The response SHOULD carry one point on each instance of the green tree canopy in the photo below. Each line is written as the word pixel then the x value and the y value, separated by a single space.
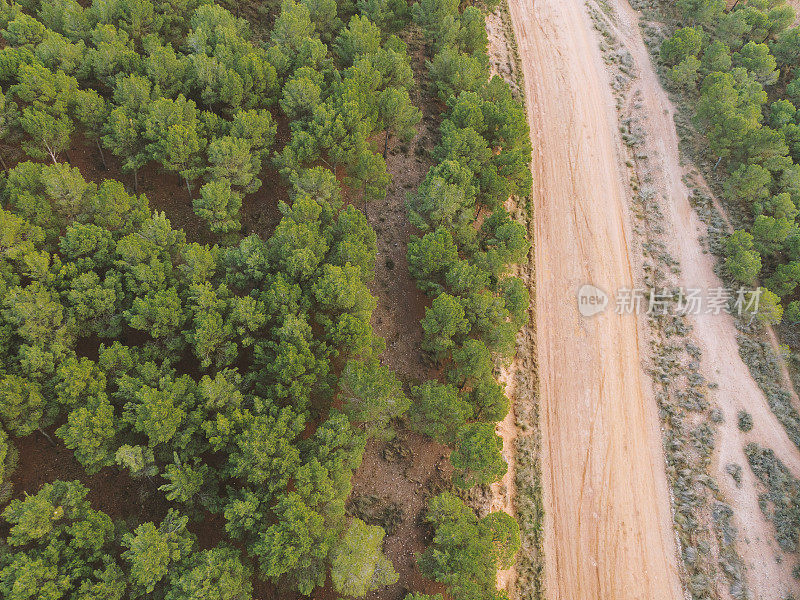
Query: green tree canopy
pixel 477 458
pixel 357 564
pixel 152 550
pixel 371 393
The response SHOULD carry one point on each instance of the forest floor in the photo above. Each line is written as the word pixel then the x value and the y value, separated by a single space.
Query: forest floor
pixel 407 470
pixel 401 474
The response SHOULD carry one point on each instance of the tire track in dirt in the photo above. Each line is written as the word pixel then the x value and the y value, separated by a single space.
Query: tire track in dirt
pixel 608 529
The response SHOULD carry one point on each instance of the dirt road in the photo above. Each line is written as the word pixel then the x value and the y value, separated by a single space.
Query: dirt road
pixel 608 530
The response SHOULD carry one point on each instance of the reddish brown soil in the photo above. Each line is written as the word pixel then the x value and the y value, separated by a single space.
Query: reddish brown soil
pixel 111 490
pixel 166 191
pixel 401 305
pixel 407 483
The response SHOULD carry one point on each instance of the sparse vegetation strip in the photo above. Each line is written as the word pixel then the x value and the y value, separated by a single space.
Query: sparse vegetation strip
pixel 689 418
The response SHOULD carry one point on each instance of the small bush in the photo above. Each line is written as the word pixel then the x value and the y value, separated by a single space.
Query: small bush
pixel 781 502
pixel 745 421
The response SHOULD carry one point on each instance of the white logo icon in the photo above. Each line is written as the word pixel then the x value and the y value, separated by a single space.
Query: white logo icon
pixel 591 300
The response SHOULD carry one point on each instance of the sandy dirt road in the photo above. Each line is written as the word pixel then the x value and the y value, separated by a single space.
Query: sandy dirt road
pixel 608 530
